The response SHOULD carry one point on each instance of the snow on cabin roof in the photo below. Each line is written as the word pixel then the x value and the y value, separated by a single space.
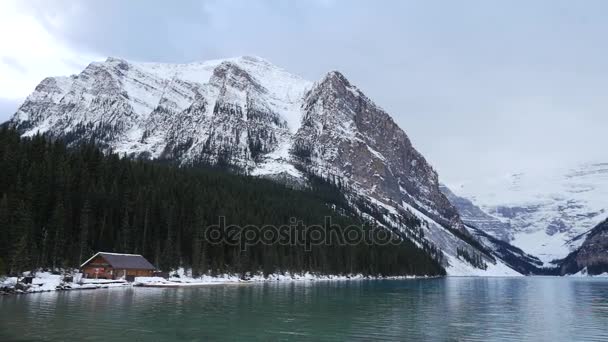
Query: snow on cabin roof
pixel 123 261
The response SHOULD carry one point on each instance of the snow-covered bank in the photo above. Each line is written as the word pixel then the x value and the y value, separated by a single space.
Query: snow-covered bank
pixel 183 279
pixel 46 281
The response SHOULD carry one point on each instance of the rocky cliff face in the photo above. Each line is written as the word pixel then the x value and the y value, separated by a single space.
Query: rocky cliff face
pixel 592 256
pixel 346 134
pixel 247 114
pixel 474 216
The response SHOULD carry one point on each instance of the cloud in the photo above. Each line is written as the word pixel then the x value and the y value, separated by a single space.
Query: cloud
pixel 481 87
pixel 13 63
pixel 141 30
pixel 30 53
pixel 8 107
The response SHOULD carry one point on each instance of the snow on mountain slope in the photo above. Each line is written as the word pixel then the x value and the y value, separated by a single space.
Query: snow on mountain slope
pixel 450 243
pixel 142 104
pixel 473 216
pixel 544 211
pixel 463 269
pixel 284 90
pixel 248 114
pixel 495 235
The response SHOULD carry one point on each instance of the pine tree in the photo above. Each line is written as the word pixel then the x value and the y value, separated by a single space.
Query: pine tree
pixel 21 260
pixel 5 231
pixel 85 218
pixel 51 196
pixel 125 233
pixel 21 252
pixel 44 249
pixel 196 256
pixel 144 237
pixel 57 226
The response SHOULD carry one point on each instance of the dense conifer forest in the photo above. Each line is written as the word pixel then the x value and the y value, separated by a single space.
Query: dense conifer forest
pixel 59 205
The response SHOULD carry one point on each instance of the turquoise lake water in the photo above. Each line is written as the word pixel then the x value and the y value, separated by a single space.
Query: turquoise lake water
pixel 446 309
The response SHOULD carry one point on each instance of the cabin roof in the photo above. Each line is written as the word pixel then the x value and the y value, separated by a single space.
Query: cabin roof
pixel 123 261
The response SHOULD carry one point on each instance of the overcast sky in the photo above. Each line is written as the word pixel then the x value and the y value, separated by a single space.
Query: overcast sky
pixel 483 88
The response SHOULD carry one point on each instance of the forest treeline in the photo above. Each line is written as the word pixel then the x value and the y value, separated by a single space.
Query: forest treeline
pixel 59 205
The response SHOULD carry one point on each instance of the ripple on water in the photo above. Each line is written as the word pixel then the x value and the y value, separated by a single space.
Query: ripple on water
pixel 473 309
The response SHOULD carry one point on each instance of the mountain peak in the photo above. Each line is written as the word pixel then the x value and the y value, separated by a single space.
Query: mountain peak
pixel 231 73
pixel 335 74
pixel 336 77
pixel 118 62
pixel 338 84
pixel 254 59
pixel 111 59
pixel 248 114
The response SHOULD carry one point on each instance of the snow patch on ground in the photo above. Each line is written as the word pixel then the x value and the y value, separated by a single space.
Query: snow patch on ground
pixel 460 268
pixel 184 279
pixel 376 153
pixel 46 281
pixel 278 161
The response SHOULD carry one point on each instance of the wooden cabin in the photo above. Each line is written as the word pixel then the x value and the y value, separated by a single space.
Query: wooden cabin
pixel 116 266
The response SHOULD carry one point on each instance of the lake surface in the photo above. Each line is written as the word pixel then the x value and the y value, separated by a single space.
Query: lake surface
pixel 458 309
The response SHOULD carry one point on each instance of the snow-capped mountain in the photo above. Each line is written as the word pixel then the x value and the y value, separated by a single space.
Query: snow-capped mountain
pixel 206 111
pixel 248 114
pixel 542 213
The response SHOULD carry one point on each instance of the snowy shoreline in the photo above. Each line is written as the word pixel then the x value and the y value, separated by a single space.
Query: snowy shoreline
pixel 47 282
pixel 185 281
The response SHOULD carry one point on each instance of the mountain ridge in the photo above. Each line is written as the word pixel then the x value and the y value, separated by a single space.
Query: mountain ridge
pixel 247 114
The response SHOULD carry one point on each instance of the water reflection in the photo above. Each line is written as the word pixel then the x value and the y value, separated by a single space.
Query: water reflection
pixel 472 309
